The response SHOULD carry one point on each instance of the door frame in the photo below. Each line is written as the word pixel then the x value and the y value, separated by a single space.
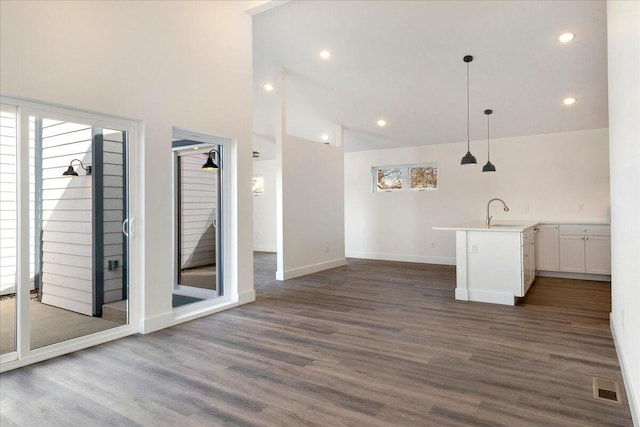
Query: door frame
pixel 24 355
pixel 204 141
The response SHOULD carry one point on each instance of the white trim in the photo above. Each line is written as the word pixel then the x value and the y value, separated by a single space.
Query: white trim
pixel 195 292
pixel 309 269
pixel 229 232
pixel 135 180
pixel 258 248
pixel 70 346
pixel 400 257
pixel 493 297
pixel 626 376
pixel 268 5
pixel 462 294
pixel 246 297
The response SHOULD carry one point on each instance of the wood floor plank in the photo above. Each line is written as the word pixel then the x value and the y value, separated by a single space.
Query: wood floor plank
pixel 372 343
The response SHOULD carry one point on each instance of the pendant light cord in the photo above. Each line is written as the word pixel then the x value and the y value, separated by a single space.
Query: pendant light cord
pixel 468 149
pixel 488 138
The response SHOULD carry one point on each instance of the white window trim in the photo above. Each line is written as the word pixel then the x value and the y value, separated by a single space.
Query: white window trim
pixel 406 178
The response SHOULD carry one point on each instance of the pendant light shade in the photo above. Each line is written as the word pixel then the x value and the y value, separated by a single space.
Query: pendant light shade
pixel 489 167
pixel 468 159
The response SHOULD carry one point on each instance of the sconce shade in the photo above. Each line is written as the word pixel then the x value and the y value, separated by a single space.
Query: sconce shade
pixel 210 164
pixel 70 172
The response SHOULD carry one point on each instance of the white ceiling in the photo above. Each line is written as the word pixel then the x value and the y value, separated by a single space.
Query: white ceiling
pixel 402 61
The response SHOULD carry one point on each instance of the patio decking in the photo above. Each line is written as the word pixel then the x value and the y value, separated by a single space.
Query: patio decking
pixel 49 325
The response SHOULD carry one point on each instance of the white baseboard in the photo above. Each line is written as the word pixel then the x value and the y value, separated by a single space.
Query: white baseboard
pixel 309 269
pixel 246 297
pixel 402 258
pixel 156 323
pixel 626 376
pixel 462 294
pixel 492 297
pixel 258 248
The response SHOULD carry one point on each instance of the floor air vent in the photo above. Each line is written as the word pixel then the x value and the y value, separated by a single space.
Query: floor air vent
pixel 606 390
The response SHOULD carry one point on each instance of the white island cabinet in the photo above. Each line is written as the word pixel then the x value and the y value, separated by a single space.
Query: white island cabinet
pixel 493 264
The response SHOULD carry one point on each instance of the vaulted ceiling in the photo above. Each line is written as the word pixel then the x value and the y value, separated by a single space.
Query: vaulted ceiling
pixel 403 61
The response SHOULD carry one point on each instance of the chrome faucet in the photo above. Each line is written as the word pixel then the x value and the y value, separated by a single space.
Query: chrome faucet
pixel 506 209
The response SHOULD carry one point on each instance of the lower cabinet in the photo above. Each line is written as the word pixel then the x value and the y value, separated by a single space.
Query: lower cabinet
pixel 585 249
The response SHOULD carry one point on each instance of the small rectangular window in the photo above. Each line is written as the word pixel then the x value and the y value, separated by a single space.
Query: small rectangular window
pixel 416 177
pixel 257 185
pixel 423 177
pixel 389 179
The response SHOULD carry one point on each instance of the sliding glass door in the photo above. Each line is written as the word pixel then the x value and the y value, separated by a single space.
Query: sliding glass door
pixel 64 221
pixel 198 172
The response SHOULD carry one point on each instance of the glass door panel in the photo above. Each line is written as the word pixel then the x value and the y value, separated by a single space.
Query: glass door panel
pixel 8 229
pixel 78 255
pixel 198 220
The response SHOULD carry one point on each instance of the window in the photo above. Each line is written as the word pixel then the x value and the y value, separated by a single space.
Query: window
pixel 257 185
pixel 416 177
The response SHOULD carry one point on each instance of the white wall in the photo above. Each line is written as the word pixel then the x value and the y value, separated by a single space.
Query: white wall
pixel 623 22
pixel 553 177
pixel 264 208
pixel 185 63
pixel 311 229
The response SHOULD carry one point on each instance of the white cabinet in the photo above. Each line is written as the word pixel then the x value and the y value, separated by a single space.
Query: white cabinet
pixel 585 249
pixel 547 247
pixel 597 254
pixel 528 261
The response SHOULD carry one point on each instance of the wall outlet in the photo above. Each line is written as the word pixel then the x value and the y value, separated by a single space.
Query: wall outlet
pixel 526 207
pixel 474 248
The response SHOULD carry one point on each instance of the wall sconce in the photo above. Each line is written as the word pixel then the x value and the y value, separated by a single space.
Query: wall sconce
pixel 211 164
pixel 71 172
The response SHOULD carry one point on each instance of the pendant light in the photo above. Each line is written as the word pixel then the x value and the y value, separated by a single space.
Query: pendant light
pixel 468 158
pixel 489 167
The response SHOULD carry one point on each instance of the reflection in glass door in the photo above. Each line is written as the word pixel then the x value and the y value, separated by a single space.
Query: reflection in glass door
pixel 8 228
pixel 198 220
pixel 80 263
pixel 65 249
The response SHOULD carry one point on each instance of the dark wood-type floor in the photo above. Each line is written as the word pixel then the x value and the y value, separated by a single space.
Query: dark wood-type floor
pixel 373 343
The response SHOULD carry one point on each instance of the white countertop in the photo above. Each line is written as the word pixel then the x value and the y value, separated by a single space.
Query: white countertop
pixel 496 225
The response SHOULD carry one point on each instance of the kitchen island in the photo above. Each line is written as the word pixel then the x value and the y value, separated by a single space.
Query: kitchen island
pixel 494 264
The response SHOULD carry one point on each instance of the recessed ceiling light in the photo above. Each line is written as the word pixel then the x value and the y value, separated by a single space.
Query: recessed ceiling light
pixel 325 54
pixel 381 123
pixel 566 37
pixel 569 101
pixel 268 87
pixel 324 137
